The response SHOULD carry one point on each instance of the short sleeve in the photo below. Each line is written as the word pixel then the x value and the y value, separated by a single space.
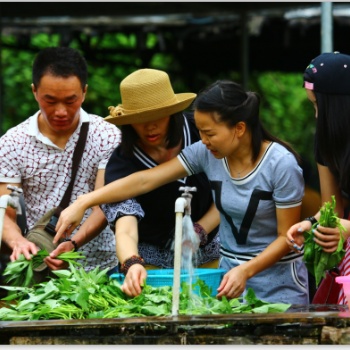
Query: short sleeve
pixel 113 211
pixel 288 182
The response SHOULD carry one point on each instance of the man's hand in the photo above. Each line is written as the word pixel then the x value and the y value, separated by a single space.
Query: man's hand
pixel 56 264
pixel 25 247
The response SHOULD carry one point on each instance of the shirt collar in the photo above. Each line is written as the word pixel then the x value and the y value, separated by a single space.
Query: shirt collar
pixel 33 129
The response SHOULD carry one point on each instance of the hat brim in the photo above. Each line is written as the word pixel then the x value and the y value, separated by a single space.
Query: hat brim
pixel 184 101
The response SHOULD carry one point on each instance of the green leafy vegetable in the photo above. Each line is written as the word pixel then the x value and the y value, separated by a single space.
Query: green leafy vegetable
pixel 77 294
pixel 316 260
pixel 20 272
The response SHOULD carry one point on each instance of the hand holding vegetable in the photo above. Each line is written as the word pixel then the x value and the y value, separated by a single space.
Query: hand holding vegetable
pixel 317 258
pixel 233 283
pixel 53 261
pixel 328 238
pixel 20 272
pixel 134 280
pixel 23 247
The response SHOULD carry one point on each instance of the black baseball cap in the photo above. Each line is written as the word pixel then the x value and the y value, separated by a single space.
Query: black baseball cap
pixel 328 73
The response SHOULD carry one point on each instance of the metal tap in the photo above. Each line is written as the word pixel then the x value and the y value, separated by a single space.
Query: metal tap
pixel 13 199
pixel 188 196
pixel 9 200
pixel 182 206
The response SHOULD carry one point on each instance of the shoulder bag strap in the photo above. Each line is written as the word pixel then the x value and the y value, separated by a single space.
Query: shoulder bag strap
pixel 77 155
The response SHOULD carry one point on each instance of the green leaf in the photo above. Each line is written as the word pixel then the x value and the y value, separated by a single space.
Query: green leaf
pixel 20 271
pixel 82 295
pixel 82 299
pixel 62 273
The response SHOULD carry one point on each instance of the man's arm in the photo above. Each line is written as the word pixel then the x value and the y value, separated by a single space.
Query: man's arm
pixel 11 232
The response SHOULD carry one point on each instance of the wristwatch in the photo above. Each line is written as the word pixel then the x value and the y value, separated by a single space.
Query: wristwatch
pixel 312 219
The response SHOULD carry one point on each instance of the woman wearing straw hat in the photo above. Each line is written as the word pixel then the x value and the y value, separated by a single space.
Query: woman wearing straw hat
pixel 154 130
pixel 257 186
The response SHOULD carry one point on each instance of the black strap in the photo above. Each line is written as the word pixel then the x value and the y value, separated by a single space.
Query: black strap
pixel 77 154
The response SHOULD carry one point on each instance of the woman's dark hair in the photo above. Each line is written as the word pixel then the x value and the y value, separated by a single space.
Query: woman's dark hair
pixel 332 135
pixel 60 62
pixel 174 136
pixel 233 105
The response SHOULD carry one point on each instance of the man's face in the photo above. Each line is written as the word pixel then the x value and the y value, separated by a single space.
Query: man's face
pixel 59 100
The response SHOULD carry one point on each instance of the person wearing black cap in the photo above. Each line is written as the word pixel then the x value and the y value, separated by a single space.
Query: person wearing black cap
pixel 327 84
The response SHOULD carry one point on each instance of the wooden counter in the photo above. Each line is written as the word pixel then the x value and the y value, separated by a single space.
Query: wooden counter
pixel 314 324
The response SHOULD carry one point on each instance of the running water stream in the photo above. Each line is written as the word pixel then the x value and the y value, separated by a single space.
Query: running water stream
pixel 186 244
pixel 190 247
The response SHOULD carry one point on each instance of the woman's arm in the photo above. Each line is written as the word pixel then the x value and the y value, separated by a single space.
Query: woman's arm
pixel 119 190
pixel 278 248
pixel 126 237
pixel 211 219
pixel 327 238
pixel 329 187
pixel 234 282
pixel 90 229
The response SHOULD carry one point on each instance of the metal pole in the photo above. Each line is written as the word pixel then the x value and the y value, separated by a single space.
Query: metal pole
pixel 1 78
pixel 244 51
pixel 326 27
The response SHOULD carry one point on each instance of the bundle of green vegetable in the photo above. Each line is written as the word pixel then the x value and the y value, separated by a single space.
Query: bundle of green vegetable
pixel 21 271
pixel 317 261
pixel 77 294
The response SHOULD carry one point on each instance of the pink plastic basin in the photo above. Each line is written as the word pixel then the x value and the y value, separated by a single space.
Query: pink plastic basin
pixel 345 281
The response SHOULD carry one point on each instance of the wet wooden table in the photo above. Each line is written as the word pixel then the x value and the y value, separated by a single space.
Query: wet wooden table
pixel 314 324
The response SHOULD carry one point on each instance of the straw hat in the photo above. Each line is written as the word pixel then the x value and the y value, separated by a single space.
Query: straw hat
pixel 147 95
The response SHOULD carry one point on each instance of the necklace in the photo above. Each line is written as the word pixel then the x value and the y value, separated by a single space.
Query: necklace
pixel 241 171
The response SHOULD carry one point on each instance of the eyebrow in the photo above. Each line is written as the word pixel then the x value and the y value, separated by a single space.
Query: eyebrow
pixel 71 97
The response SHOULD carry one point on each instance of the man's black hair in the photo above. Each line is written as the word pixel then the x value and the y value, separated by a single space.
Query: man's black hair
pixel 60 62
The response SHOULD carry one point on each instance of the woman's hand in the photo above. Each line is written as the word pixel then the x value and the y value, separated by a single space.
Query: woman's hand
pixel 295 235
pixel 328 238
pixel 69 219
pixel 233 283
pixel 134 279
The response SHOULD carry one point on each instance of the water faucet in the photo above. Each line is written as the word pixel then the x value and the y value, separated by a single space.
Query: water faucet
pixel 12 199
pixel 188 196
pixel 182 205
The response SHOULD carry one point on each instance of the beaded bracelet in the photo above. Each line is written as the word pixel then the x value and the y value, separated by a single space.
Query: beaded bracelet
pixel 73 242
pixel 135 259
pixel 203 236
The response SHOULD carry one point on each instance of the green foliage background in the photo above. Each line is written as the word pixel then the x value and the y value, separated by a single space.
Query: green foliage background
pixel 285 110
